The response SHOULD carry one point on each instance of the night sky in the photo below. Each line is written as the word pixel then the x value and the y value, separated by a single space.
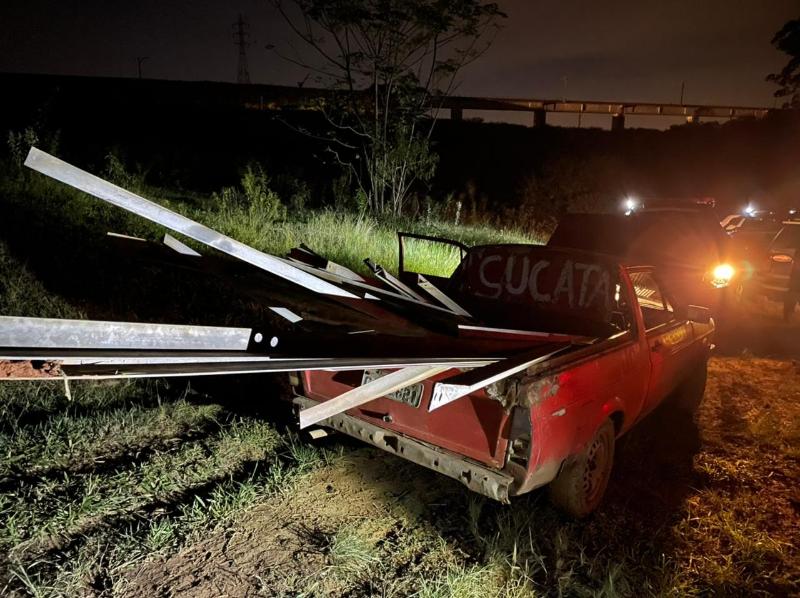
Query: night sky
pixel 616 50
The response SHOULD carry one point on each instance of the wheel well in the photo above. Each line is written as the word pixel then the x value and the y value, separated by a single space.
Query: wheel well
pixel 618 418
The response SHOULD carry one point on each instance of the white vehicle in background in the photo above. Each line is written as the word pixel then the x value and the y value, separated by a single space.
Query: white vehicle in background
pixel 732 222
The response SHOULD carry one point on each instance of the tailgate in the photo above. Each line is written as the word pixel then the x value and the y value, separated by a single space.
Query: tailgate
pixel 474 426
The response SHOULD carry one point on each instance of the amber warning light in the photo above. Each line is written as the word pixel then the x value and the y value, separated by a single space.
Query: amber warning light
pixel 722 275
pixel 782 258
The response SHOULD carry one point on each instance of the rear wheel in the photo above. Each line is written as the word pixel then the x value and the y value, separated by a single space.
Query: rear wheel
pixel 579 487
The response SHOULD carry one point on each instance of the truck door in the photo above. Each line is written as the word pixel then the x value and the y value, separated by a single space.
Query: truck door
pixel 433 257
pixel 669 338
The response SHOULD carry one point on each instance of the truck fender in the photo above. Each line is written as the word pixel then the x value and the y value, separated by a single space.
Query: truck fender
pixel 613 408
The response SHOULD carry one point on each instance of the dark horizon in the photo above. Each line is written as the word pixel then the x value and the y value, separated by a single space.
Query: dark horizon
pixel 618 51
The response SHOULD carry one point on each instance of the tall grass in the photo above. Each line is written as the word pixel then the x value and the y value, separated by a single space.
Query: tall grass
pixel 349 238
pixel 345 237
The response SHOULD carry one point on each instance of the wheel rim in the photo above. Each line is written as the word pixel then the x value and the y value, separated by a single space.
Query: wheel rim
pixel 596 470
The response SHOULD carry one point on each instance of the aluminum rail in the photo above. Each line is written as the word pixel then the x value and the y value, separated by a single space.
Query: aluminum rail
pixel 181 248
pixel 80 179
pixel 451 389
pixel 441 297
pixel 372 292
pixel 60 369
pixel 368 392
pixel 93 334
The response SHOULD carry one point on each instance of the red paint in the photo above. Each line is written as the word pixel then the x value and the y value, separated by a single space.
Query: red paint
pixel 623 377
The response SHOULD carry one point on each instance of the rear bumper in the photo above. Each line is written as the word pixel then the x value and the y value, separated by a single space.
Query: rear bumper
pixel 478 478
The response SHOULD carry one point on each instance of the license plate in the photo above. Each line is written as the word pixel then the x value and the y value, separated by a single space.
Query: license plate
pixel 410 395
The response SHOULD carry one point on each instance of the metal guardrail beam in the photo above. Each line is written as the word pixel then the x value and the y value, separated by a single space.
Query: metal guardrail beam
pixel 75 177
pixel 92 334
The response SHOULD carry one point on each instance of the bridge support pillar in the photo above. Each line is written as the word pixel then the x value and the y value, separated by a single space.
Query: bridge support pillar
pixel 618 122
pixel 456 114
pixel 539 117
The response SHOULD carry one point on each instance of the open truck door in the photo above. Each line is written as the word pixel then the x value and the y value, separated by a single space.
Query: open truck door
pixel 432 282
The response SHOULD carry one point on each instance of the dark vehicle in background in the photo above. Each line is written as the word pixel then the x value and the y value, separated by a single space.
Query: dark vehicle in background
pixel 688 246
pixel 753 236
pixel 779 279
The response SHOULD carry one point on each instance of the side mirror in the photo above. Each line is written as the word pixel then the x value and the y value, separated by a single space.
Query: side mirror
pixel 699 314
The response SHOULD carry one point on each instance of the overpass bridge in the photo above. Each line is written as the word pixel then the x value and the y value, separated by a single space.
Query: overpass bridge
pixel 28 87
pixel 616 110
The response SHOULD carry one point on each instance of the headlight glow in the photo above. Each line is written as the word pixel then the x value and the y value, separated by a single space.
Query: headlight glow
pixel 722 275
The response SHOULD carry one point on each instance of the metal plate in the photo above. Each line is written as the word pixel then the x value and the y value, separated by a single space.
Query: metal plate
pixel 410 395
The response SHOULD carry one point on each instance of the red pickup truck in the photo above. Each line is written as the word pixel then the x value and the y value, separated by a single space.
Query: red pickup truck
pixel 612 345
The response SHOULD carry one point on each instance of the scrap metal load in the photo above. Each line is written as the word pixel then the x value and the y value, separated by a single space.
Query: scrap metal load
pixel 335 319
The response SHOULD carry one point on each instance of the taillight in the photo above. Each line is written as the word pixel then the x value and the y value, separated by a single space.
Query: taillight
pixel 781 258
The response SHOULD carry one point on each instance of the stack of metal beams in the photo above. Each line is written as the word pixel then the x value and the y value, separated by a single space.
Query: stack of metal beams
pixel 333 319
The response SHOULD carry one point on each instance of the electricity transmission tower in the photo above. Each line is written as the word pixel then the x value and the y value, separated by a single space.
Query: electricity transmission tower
pixel 241 35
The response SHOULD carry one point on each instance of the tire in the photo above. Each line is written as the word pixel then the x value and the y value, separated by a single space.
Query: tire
pixel 579 487
pixel 689 395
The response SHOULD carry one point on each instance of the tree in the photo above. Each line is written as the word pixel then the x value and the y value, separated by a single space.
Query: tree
pixel 387 64
pixel 788 40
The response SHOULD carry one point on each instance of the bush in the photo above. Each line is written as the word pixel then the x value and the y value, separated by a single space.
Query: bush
pixel 117 173
pixel 247 212
pixel 566 186
pixel 254 195
pixel 20 142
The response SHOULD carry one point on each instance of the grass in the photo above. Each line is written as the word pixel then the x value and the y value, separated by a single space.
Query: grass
pixel 104 522
pixel 344 237
pixel 119 472
pixel 352 552
pixel 349 238
pixel 96 488
pixel 22 295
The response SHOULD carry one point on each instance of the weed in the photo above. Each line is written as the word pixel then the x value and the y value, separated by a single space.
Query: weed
pixel 118 173
pixel 352 552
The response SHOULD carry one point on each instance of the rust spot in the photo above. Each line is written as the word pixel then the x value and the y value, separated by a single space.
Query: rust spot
pixel 513 392
pixel 539 390
pixel 29 369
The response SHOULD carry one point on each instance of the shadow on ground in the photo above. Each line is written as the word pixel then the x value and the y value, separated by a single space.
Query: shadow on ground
pixel 758 328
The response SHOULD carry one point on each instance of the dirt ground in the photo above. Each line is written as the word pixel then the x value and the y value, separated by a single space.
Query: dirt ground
pixel 710 506
pixel 283 541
